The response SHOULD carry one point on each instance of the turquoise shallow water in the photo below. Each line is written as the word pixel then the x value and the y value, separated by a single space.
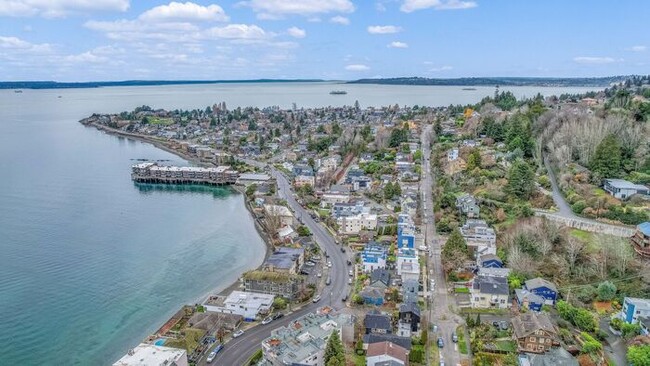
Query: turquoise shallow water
pixel 90 263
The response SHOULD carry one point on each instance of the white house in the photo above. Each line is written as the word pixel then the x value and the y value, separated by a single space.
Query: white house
pixel 284 214
pixel 623 189
pixel 247 304
pixel 353 224
pixel 452 154
pixel 149 354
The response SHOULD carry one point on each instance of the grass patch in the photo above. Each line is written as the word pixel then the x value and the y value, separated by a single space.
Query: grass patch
pixel 474 311
pixel 358 360
pixel 461 290
pixel 581 234
pixel 161 121
pixel 189 341
pixel 462 345
pixel 323 213
pixel 255 358
pixel 507 346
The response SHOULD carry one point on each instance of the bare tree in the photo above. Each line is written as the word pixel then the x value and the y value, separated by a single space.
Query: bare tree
pixel 574 248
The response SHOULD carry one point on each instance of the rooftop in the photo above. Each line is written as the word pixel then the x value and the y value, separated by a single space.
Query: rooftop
pixel 151 355
pixel 491 285
pixel 284 258
pixel 527 323
pixel 623 184
pixel 388 349
pixel 644 228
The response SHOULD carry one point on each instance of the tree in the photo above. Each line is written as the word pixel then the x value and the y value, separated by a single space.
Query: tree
pixel 606 291
pixel 250 190
pixel 417 155
pixel 454 252
pixel 279 303
pixel 303 230
pixel 606 162
pixel 334 354
pixel 639 355
pixel 474 160
pixel 521 180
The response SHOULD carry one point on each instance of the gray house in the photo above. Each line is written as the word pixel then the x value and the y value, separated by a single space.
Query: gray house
pixel 623 189
pixel 467 205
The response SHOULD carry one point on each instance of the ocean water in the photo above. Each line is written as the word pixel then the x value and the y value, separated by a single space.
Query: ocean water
pixel 91 263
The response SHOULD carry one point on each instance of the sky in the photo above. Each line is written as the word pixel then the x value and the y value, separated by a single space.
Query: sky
pixel 102 40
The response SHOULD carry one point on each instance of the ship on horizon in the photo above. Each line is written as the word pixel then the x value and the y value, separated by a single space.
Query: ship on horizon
pixel 338 92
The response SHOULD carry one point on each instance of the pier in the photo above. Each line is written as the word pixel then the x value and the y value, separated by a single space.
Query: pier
pixel 154 173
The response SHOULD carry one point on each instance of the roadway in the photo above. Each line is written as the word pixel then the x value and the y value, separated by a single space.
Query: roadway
pixel 238 350
pixel 440 305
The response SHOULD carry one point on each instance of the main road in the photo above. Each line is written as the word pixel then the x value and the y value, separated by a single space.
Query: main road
pixel 440 312
pixel 238 350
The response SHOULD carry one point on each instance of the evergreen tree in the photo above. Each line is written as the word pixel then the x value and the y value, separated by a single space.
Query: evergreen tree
pixel 474 160
pixel 606 162
pixel 454 252
pixel 334 354
pixel 521 180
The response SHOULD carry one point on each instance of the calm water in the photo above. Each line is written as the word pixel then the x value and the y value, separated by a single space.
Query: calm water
pixel 90 263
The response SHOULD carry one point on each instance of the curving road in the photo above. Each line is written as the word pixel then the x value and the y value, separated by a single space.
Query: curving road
pixel 238 350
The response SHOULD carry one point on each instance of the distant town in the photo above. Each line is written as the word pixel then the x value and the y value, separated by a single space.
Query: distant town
pixel 509 232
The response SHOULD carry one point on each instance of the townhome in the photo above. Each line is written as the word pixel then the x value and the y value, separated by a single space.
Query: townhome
pixel 351 225
pixel 378 323
pixel 373 257
pixel 489 292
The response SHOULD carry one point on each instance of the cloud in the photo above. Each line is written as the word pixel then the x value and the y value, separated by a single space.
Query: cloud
pixel 235 31
pixel 638 48
pixel 184 11
pixel 357 67
pixel 340 20
pixel 22 46
pixel 276 9
pixel 441 68
pixel 296 32
pixel 58 8
pixel 383 29
pixel 409 6
pixel 398 44
pixel 591 60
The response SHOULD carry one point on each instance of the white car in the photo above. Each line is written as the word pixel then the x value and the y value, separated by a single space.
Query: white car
pixel 238 333
pixel 329 264
pixel 267 320
pixel 316 299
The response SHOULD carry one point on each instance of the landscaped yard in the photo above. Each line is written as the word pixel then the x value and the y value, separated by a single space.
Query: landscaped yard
pixel 462 345
pixel 189 341
pixel 506 345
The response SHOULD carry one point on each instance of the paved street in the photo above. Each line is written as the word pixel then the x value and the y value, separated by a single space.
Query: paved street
pixel 239 350
pixel 439 305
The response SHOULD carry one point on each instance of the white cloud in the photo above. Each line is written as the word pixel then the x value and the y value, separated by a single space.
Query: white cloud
pixel 20 45
pixel 380 7
pixel 184 11
pixel 398 44
pixel 383 29
pixel 638 48
pixel 591 60
pixel 340 20
pixel 296 32
pixel 236 31
pixel 58 8
pixel 413 5
pixel 275 9
pixel 357 67
pixel 441 68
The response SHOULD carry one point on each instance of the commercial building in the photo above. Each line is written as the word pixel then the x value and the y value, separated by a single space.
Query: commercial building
pixel 150 355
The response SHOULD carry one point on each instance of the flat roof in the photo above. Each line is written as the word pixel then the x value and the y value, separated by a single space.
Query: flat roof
pixel 623 184
pixel 149 355
pixel 254 176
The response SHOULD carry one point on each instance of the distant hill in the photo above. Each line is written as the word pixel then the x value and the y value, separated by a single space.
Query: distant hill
pixel 99 84
pixel 501 81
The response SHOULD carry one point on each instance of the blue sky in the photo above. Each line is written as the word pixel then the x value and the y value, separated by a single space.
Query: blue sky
pixel 83 40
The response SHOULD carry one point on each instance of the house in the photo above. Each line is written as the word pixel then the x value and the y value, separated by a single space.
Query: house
pixel 351 225
pixel 247 179
pixel 304 180
pixel 405 256
pixel 490 261
pixel 282 284
pixel 452 154
pixel 410 289
pixel 380 279
pixel 557 356
pixel 481 239
pixel 285 259
pixel 493 272
pixel 409 271
pixel 373 257
pixel 303 341
pixel 283 214
pixel 641 240
pixel 534 332
pixel 623 189
pixel 645 326
pixel 329 199
pixel 467 205
pixel 342 209
pixel 149 354
pixel 409 313
pixel 529 300
pixel 372 296
pixel 634 309
pixel 489 292
pixel 368 339
pixel 386 353
pixel 543 288
pixel 405 237
pixel 286 234
pixel 377 323
pixel 250 305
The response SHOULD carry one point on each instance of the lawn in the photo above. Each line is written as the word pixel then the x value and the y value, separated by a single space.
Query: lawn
pixel 189 342
pixel 461 290
pixel 462 345
pixel 585 236
pixel 506 345
pixel 161 121
pixel 359 360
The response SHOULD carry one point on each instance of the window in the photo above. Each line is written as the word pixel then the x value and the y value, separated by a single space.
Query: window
pixel 532 339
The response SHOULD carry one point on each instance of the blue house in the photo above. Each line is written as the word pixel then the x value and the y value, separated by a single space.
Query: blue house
pixel 529 300
pixel 490 261
pixel 405 238
pixel 372 296
pixel 373 257
pixel 543 288
pixel 634 309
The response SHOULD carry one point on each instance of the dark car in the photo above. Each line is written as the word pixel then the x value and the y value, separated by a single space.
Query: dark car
pixel 343 249
pixel 345 298
pixel 454 338
pixel 441 342
pixel 495 323
pixel 349 263
pixel 278 316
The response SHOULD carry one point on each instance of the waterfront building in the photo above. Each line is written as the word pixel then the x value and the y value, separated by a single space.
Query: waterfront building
pixel 283 214
pixel 285 259
pixel 152 355
pixel 250 305
pixel 282 284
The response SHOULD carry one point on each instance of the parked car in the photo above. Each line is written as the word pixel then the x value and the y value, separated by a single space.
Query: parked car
pixel 343 249
pixel 277 316
pixel 267 320
pixel 495 323
pixel 214 352
pixel 351 273
pixel 328 281
pixel 329 264
pixel 237 333
pixel 349 281
pixel 319 275
pixel 349 263
pixel 441 342
pixel 454 338
pixel 345 298
pixel 503 325
pixel 316 299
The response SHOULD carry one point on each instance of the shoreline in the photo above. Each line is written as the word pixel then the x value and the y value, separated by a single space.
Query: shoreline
pixel 227 287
